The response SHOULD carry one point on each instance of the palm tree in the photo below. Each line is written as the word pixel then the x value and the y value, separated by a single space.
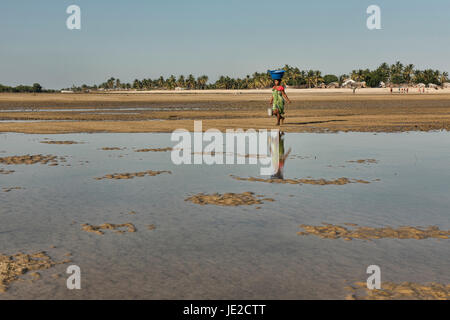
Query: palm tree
pixel 160 82
pixel 202 80
pixel 110 83
pixel 429 76
pixel 317 78
pixel 384 72
pixel 190 82
pixel 418 76
pixel 137 84
pixel 444 78
pixel 181 82
pixel 310 78
pixel 408 73
pixel 171 82
pixel 397 73
pixel 359 75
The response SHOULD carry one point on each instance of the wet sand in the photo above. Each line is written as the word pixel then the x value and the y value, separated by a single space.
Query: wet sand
pixel 311 111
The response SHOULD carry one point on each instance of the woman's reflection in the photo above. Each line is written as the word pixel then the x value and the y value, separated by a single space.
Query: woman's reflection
pixel 278 156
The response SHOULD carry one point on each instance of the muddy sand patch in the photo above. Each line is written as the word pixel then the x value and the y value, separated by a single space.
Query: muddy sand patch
pixel 321 182
pixel 353 231
pixel 12 267
pixel 401 291
pixel 364 161
pixel 121 176
pixel 155 150
pixel 112 149
pixel 61 142
pixel 228 199
pixel 117 228
pixel 3 171
pixel 32 159
pixel 5 189
pixel 230 154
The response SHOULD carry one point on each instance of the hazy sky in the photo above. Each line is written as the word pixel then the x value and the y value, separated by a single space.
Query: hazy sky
pixel 146 38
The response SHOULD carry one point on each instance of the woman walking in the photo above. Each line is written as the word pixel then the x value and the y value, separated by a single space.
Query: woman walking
pixel 278 100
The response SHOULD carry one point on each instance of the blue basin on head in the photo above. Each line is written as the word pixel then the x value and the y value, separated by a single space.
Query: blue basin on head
pixel 277 74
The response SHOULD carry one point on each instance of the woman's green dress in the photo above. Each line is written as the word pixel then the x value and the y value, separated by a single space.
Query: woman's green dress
pixel 278 100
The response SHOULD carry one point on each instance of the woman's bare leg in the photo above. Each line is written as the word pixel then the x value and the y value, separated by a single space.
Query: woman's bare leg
pixel 277 113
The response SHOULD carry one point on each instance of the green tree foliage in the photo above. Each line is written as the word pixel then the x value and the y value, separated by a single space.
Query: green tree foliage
pixel 329 78
pixel 35 88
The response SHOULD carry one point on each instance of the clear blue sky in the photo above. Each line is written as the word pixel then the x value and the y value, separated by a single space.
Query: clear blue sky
pixel 146 38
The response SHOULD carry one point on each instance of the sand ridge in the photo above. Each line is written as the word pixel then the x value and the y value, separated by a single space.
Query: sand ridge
pixel 12 267
pixel 227 199
pixel 61 142
pixel 330 231
pixel 3 171
pixel 321 182
pixel 117 228
pixel 121 176
pixel 11 189
pixel 155 150
pixel 32 159
pixel 364 161
pixel 112 149
pixel 399 291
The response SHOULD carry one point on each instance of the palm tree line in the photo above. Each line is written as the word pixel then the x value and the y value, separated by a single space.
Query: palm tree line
pixel 399 74
pixel 395 74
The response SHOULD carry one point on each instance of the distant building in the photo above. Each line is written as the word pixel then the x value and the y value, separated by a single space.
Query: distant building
pixel 333 85
pixel 349 83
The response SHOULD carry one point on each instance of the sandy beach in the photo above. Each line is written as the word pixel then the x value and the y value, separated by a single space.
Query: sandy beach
pixel 314 110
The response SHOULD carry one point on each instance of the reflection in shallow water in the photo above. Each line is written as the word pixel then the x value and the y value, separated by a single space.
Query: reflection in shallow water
pixel 278 156
pixel 224 252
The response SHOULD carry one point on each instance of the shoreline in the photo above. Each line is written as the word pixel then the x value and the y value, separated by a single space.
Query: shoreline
pixel 320 111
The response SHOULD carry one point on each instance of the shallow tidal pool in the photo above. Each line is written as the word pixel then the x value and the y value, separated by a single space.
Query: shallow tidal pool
pixel 185 250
